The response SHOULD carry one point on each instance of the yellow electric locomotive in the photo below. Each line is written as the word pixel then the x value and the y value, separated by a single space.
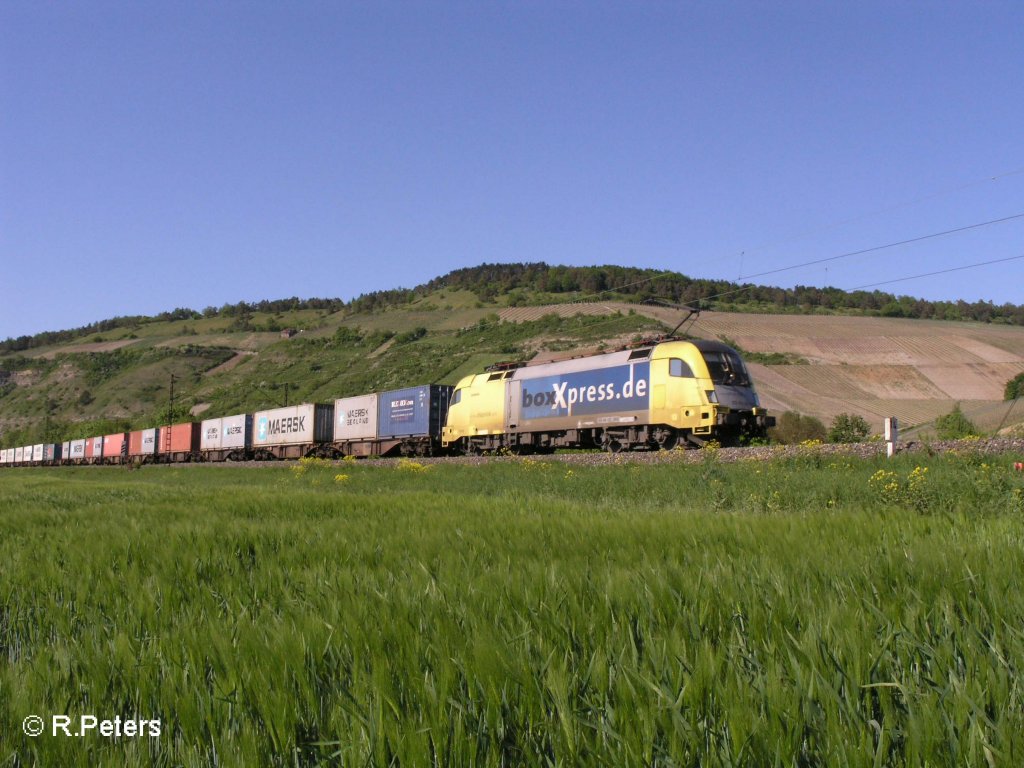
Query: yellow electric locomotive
pixel 654 396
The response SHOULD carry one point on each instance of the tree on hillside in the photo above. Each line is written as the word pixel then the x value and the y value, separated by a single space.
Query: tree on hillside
pixel 954 425
pixel 848 428
pixel 1014 387
pixel 793 427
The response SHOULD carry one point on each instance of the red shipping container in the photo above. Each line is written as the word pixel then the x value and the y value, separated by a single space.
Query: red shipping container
pixel 94 448
pixel 114 445
pixel 179 438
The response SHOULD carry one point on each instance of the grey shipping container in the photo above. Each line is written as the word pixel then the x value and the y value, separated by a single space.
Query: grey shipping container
pixel 413 411
pixel 51 451
pixel 294 425
pixel 355 418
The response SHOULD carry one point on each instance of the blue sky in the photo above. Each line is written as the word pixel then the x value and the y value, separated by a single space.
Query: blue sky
pixel 156 155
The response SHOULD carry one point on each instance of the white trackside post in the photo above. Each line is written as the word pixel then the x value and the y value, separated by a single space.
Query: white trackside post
pixel 891 435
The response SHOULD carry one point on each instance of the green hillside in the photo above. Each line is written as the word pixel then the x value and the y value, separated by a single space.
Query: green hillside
pixel 121 379
pixel 118 373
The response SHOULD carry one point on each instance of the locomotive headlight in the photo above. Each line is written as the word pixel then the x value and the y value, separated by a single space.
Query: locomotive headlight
pixel 712 397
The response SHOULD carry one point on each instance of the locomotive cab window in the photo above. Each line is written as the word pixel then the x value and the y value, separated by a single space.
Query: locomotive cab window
pixel 456 397
pixel 677 367
pixel 727 368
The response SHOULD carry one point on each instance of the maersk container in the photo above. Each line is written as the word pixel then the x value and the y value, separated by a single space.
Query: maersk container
pixel 294 425
pixel 412 412
pixel 179 438
pixel 37 452
pixel 77 450
pixel 142 442
pixel 355 418
pixel 52 452
pixel 235 431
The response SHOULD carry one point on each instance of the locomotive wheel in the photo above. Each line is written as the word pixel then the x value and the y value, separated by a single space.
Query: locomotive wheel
pixel 667 440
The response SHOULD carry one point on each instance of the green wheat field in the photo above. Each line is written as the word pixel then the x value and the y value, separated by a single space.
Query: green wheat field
pixel 809 611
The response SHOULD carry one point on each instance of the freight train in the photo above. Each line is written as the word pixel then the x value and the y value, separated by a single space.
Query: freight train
pixel 657 395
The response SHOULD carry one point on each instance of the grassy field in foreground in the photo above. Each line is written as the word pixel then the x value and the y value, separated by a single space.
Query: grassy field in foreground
pixel 800 612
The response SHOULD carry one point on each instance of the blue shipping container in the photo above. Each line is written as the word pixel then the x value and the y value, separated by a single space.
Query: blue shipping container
pixel 413 412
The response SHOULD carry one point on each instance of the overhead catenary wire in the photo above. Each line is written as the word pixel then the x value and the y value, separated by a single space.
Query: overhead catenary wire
pixel 887 209
pixel 938 272
pixel 876 248
pixel 919 238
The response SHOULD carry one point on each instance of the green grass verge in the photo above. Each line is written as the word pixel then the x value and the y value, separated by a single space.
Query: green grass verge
pixel 802 612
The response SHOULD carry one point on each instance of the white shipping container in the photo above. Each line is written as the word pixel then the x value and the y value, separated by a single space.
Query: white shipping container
pixel 19 455
pixel 355 418
pixel 3 455
pixel 294 425
pixel 210 435
pixel 37 452
pixel 149 441
pixel 77 449
pixel 27 453
pixel 65 449
pixel 233 432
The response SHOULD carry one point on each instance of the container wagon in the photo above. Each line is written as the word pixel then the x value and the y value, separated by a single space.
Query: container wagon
pixel 177 442
pixel 142 445
pixel 226 439
pixel 115 448
pixel 293 432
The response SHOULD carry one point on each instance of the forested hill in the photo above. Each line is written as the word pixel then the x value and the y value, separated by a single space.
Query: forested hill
pixel 539 283
pixel 491 280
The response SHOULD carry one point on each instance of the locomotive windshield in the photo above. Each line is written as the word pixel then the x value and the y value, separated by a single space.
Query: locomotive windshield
pixel 726 368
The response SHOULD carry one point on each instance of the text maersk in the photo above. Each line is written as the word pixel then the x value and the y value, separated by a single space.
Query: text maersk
pixel 286 426
pixel 355 417
pixel 619 388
